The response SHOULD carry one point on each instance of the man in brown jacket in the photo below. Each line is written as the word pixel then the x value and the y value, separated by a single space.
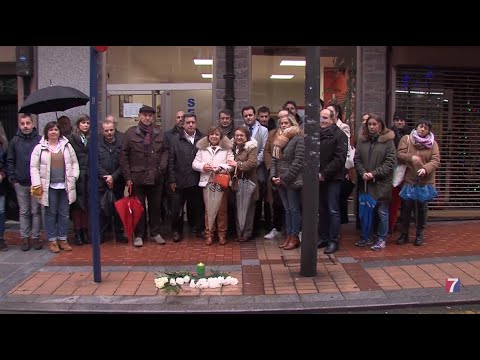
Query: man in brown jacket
pixel 144 160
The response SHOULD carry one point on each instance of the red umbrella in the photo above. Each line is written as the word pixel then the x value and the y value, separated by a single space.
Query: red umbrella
pixel 130 210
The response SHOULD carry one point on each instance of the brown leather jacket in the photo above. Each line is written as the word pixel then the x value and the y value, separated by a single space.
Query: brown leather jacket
pixel 140 166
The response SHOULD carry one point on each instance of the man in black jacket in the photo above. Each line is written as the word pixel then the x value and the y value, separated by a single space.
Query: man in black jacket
pixel 183 180
pixel 333 153
pixel 18 171
pixel 110 177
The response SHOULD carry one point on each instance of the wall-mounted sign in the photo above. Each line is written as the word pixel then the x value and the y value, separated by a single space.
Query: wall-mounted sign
pixel 131 109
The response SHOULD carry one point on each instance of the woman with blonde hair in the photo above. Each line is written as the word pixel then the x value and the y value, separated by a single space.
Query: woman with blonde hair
pixel 286 175
pixel 214 151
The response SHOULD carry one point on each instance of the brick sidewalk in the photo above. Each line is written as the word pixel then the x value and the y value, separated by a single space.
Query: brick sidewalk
pixel 452 249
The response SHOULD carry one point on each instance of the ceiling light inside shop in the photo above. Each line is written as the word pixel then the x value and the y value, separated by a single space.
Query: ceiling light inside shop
pixel 203 61
pixel 207 76
pixel 292 63
pixel 282 77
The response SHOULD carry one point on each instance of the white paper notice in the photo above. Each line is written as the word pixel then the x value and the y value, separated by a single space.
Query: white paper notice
pixel 131 109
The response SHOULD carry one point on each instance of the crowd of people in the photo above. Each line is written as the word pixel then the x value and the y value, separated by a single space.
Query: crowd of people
pixel 235 182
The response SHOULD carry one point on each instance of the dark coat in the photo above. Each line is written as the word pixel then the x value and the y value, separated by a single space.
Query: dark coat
pixel 18 157
pixel 379 157
pixel 109 164
pixel 181 155
pixel 139 166
pixel 82 183
pixel 333 152
pixel 399 133
pixel 290 168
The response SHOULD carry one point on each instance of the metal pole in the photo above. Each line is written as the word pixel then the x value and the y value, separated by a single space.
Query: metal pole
pixel 93 202
pixel 308 260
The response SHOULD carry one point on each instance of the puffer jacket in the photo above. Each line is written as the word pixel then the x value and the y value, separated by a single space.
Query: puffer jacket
pixel 206 155
pixel 40 169
pixel 290 168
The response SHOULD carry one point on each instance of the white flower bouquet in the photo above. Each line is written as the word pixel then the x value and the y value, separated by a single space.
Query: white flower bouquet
pixel 173 281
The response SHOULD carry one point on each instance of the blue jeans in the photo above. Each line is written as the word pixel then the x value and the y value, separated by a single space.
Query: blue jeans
pixel 382 212
pixel 329 211
pixel 30 212
pixel 56 214
pixel 291 204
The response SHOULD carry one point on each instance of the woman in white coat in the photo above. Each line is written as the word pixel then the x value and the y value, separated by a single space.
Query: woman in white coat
pixel 214 150
pixel 54 171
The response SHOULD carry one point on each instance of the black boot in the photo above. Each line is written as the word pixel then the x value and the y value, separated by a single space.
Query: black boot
pixel 37 244
pixel 421 220
pixel 405 216
pixel 78 239
pixel 84 236
pixel 419 239
pixel 403 239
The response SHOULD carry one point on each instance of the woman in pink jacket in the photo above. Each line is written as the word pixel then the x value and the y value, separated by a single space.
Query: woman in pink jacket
pixel 214 151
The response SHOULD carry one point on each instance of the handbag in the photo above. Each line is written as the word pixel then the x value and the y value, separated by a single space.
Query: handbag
pixel 349 163
pixel 399 174
pixel 222 179
pixel 400 170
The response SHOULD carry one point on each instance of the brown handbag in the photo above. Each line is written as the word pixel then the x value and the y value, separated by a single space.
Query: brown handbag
pixel 222 179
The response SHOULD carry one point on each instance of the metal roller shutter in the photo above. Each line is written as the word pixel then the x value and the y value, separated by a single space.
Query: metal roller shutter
pixel 450 98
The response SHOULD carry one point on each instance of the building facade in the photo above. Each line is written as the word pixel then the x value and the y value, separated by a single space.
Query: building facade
pixel 434 82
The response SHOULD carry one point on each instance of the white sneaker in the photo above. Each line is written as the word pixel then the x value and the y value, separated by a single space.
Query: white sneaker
pixel 158 239
pixel 138 242
pixel 272 234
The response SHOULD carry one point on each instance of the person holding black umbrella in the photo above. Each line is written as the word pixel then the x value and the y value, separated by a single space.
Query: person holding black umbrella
pixel 375 159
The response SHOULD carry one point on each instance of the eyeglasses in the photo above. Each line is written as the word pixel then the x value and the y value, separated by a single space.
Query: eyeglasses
pixel 324 117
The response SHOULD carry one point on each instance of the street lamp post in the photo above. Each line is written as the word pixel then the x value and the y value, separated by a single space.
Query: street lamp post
pixel 308 260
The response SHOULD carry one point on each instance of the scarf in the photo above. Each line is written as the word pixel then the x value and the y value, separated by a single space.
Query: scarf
pixel 83 139
pixel 226 130
pixel 282 137
pixel 147 130
pixel 423 142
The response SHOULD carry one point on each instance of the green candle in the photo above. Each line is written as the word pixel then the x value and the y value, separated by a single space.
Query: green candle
pixel 201 269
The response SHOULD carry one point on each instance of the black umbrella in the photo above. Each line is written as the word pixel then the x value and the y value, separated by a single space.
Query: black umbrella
pixel 53 99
